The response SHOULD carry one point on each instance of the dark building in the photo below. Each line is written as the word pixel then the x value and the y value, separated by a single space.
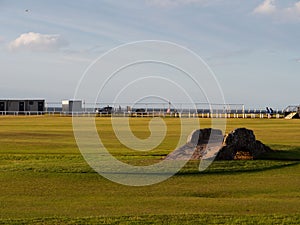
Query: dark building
pixel 8 106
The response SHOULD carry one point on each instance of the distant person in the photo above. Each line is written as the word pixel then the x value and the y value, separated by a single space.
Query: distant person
pixel 268 112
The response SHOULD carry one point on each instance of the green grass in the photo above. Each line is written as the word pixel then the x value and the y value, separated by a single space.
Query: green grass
pixel 44 179
pixel 167 219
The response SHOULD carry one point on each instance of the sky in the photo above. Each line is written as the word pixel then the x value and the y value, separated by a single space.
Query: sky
pixel 252 47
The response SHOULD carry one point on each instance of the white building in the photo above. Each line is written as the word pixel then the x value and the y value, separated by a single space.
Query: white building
pixel 69 106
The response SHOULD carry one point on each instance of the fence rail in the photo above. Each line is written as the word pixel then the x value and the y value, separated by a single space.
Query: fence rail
pixel 184 114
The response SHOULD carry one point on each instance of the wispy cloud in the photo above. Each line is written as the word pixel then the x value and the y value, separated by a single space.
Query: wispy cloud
pixel 173 3
pixel 37 42
pixel 2 39
pixel 267 7
pixel 271 8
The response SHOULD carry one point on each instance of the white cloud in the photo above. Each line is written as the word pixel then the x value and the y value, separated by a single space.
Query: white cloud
pixel 293 12
pixel 288 13
pixel 267 7
pixel 171 3
pixel 37 42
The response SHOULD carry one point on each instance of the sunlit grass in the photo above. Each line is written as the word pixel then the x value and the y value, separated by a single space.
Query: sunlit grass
pixel 44 179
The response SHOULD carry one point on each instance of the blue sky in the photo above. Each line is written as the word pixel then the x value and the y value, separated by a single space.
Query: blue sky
pixel 252 46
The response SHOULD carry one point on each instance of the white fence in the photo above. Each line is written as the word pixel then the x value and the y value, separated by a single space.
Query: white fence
pixel 166 109
pixel 148 114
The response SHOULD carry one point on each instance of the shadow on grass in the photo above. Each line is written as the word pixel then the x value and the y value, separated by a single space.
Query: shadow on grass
pixel 291 155
pixel 76 164
pixel 236 167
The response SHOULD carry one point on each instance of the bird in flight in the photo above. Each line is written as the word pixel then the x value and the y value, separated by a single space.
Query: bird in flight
pixel 26 10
